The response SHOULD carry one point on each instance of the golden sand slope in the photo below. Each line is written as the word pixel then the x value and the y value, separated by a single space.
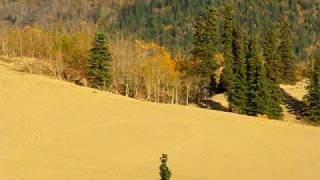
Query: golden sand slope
pixel 52 130
pixel 298 91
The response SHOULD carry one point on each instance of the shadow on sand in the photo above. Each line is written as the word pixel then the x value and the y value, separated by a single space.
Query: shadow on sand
pixel 213 105
pixel 294 105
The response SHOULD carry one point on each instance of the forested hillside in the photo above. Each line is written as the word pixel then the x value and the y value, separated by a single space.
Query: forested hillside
pixel 168 22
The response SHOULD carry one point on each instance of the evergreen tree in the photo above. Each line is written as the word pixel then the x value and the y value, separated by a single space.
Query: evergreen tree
pixel 213 44
pixel 312 99
pixel 256 92
pixel 287 56
pixel 200 55
pixel 237 95
pixel 271 56
pixel 227 77
pixel 200 40
pixel 206 42
pixel 165 173
pixel 213 29
pixel 274 96
pixel 99 61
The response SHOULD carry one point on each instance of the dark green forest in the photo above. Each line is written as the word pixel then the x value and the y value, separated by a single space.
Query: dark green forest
pixel 170 22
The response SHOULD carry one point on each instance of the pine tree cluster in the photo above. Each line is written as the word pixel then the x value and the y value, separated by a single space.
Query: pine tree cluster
pixel 253 68
pixel 312 99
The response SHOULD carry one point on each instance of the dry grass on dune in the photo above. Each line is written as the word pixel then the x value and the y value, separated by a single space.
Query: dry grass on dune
pixel 52 130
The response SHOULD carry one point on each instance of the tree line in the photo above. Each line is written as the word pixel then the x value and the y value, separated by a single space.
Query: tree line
pixel 139 70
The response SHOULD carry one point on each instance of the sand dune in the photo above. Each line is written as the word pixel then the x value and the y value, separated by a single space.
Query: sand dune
pixel 53 130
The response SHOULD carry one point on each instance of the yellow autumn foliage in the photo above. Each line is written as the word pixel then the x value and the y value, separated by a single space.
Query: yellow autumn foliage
pixel 159 71
pixel 62 50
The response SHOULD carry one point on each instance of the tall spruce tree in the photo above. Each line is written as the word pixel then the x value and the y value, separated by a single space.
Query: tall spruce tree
pixel 227 76
pixel 271 56
pixel 256 79
pixel 312 99
pixel 206 44
pixel 213 29
pixel 237 95
pixel 165 173
pixel 274 96
pixel 213 44
pixel 200 40
pixel 98 64
pixel 287 56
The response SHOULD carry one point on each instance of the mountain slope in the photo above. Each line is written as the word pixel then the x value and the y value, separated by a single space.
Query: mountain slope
pixel 72 16
pixel 168 22
pixel 56 130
